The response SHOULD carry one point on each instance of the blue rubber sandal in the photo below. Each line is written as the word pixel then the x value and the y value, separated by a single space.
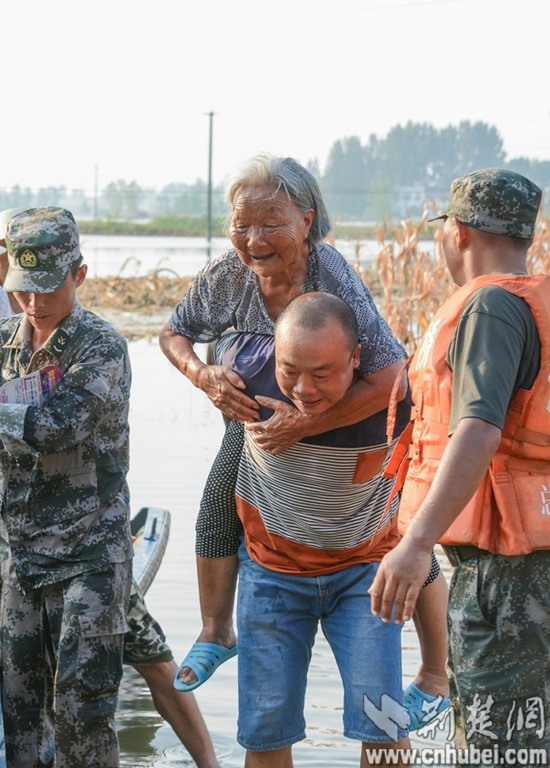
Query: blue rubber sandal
pixel 422 707
pixel 203 659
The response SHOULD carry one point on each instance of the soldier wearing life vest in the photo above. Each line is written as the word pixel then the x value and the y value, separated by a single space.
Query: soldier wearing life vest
pixel 478 470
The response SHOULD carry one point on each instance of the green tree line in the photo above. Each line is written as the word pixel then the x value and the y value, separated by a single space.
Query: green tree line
pixel 383 179
pixel 415 163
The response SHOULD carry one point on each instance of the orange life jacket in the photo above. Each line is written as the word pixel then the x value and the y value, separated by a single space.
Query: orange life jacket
pixel 510 512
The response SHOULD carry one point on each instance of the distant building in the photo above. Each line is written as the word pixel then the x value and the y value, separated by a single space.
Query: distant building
pixel 408 202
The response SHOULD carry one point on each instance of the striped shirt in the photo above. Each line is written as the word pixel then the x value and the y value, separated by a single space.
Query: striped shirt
pixel 321 505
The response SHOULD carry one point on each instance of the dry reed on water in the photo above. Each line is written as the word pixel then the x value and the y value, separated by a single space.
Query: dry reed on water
pixel 408 280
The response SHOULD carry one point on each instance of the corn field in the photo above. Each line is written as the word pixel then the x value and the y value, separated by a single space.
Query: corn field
pixel 408 284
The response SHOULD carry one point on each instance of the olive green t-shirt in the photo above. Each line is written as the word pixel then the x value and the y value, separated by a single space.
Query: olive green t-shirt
pixel 494 351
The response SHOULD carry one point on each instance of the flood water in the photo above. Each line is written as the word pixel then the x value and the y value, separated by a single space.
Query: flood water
pixel 133 256
pixel 175 433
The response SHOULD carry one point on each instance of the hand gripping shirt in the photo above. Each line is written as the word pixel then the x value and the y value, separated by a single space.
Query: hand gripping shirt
pixel 226 294
pixel 63 466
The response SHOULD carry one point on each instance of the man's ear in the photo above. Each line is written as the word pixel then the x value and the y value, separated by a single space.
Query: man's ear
pixel 356 357
pixel 462 235
pixel 81 274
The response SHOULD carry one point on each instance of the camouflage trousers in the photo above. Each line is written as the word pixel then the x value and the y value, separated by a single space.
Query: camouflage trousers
pixel 61 659
pixel 499 654
pixel 144 642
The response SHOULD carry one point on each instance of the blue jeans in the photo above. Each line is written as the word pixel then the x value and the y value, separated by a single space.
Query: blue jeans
pixel 278 616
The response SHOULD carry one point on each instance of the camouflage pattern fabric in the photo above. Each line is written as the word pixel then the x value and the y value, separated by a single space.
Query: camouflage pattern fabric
pixel 42 244
pixel 65 516
pixel 499 653
pixel 495 200
pixel 63 466
pixel 62 655
pixel 145 642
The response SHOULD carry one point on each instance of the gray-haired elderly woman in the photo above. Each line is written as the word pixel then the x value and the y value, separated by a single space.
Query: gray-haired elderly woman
pixel 277 224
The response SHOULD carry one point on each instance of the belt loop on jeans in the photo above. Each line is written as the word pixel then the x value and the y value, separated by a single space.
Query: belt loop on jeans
pixel 457 555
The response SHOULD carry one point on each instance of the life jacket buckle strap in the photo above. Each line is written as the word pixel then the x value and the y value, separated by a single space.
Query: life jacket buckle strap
pixel 459 554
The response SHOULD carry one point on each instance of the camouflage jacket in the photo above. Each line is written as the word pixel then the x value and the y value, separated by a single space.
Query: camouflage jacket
pixel 63 466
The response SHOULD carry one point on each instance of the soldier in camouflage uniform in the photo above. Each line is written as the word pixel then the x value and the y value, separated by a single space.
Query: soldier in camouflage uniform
pixel 65 507
pixel 478 472
pixel 145 648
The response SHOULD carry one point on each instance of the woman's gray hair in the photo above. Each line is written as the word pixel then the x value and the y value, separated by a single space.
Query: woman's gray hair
pixel 299 185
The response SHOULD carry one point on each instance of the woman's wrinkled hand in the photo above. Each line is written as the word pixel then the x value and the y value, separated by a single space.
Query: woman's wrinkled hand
pixel 225 390
pixel 281 430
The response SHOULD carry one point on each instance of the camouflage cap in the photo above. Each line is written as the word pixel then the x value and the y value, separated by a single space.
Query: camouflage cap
pixel 5 216
pixel 42 244
pixel 495 200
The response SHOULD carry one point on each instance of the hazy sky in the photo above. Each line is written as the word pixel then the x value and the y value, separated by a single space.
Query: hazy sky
pixel 125 86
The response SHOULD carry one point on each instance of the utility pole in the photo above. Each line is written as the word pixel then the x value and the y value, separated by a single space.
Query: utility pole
pixel 209 194
pixel 96 191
